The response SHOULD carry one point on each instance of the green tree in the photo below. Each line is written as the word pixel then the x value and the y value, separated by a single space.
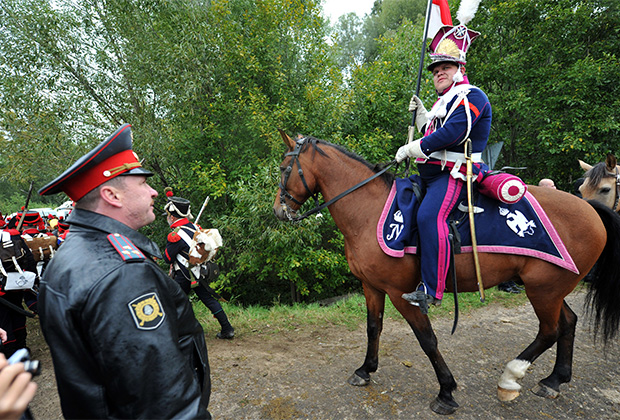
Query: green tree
pixel 549 69
pixel 387 16
pixel 204 84
pixel 264 255
pixel 380 92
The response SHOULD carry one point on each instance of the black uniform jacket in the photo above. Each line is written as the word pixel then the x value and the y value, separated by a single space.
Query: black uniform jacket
pixel 122 334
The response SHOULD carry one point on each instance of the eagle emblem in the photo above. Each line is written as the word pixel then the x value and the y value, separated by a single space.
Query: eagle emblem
pixel 147 311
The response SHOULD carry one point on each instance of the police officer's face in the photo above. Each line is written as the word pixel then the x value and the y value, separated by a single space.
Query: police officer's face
pixel 138 200
pixel 442 76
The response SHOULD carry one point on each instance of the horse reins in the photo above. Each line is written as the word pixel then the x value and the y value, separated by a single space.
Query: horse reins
pixel 284 194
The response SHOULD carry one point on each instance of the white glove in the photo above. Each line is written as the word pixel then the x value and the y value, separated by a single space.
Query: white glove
pixel 410 150
pixel 420 116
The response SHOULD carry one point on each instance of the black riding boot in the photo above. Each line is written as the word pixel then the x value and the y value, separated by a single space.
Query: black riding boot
pixel 228 331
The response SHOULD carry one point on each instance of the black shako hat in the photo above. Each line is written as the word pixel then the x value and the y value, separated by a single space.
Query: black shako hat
pixel 177 206
pixel 112 157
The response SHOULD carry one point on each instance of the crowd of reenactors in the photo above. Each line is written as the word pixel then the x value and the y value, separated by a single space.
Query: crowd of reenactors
pixel 29 241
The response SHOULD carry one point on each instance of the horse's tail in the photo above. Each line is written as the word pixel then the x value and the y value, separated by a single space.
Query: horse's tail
pixel 603 299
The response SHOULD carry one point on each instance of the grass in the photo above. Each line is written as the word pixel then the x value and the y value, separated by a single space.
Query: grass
pixel 349 312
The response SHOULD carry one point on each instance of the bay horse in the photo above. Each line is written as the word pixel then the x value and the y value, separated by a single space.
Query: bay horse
pixel 590 232
pixel 602 182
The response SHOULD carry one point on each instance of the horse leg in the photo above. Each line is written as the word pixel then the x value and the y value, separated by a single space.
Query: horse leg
pixel 557 324
pixel 421 326
pixel 562 371
pixel 375 305
pixel 423 330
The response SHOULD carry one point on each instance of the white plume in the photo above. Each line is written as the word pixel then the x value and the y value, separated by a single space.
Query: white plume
pixel 467 11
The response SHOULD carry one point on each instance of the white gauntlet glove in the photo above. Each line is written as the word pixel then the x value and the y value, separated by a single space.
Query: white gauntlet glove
pixel 410 150
pixel 420 116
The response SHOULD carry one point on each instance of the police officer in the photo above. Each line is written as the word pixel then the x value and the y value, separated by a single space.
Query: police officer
pixel 461 112
pixel 123 337
pixel 177 248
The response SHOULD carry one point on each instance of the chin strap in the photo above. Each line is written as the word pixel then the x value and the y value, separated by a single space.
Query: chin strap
pixel 458 76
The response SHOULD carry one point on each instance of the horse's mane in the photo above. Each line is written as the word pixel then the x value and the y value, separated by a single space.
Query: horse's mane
pixel 597 173
pixel 388 177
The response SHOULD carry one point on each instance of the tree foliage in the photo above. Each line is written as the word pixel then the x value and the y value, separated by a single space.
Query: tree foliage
pixel 206 84
pixel 550 69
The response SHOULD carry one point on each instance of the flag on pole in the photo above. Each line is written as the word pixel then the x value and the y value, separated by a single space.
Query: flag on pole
pixel 440 16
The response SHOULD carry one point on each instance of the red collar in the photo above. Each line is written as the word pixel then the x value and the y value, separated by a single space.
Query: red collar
pixel 180 222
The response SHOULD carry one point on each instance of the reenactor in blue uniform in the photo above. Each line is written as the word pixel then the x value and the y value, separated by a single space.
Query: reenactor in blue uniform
pixel 461 112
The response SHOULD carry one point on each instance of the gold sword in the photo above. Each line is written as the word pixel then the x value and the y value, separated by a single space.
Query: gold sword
pixel 470 208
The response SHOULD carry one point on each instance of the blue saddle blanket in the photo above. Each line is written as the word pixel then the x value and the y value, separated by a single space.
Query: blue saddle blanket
pixel 522 228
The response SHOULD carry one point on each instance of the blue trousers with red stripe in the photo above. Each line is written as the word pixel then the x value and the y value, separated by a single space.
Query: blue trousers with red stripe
pixel 443 193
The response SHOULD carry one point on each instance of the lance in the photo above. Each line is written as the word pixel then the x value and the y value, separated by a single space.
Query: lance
pixel 422 54
pixel 470 208
pixel 411 129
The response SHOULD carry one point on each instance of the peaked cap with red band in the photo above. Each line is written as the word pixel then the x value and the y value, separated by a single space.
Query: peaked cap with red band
pixel 112 157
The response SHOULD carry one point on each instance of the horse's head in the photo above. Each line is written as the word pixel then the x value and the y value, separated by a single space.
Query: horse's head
pixel 602 182
pixel 296 184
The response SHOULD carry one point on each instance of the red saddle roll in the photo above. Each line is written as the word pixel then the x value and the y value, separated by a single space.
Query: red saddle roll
pixel 501 186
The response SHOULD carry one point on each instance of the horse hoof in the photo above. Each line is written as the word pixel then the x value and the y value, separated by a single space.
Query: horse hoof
pixel 441 407
pixel 545 391
pixel 356 380
pixel 507 394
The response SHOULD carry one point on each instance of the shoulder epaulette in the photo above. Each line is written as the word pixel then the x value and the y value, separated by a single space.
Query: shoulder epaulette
pixel 173 236
pixel 127 250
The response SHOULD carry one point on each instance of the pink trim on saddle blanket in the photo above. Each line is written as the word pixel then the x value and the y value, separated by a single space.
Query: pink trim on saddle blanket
pixel 565 261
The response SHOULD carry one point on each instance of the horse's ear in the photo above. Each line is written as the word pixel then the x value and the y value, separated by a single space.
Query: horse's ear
pixel 287 140
pixel 611 162
pixel 584 165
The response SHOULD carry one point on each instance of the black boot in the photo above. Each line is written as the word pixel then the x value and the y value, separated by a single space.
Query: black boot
pixel 421 299
pixel 228 331
pixel 509 287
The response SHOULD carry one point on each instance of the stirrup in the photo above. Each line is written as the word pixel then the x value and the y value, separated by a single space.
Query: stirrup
pixel 422 299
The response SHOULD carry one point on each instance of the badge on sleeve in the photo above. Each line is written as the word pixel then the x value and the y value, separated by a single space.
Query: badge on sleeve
pixel 147 311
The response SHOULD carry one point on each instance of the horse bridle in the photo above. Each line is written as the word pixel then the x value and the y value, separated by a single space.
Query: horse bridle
pixel 284 194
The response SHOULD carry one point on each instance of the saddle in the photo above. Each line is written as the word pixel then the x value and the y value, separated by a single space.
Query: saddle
pixel 520 228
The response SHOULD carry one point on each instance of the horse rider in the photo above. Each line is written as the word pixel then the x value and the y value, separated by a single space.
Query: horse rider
pixel 178 213
pixel 461 112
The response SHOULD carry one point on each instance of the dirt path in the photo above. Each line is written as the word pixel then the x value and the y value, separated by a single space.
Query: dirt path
pixel 302 374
